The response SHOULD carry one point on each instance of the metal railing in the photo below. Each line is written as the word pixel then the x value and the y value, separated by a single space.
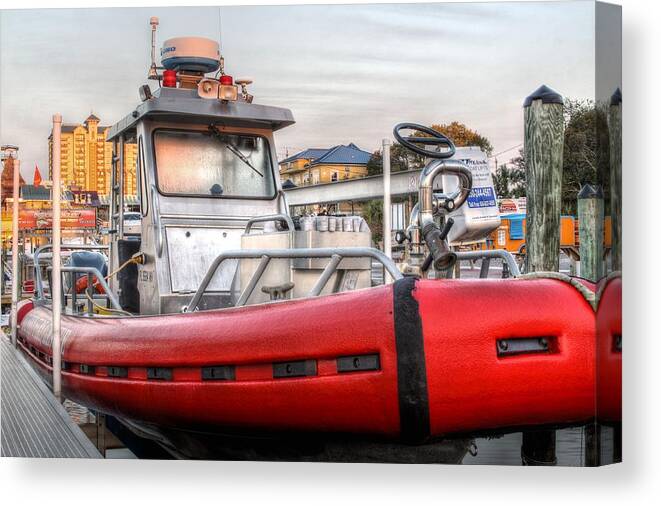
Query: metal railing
pixel 39 287
pixel 336 255
pixel 90 272
pixel 272 217
pixel 487 255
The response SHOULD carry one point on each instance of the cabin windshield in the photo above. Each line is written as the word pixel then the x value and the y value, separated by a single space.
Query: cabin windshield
pixel 213 164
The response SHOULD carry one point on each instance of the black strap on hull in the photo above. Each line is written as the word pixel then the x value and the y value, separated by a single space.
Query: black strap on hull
pixel 411 368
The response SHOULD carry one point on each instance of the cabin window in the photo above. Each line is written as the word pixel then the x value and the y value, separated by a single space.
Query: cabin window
pixel 208 165
pixel 334 176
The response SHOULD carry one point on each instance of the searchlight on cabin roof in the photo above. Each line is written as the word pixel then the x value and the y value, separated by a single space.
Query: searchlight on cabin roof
pixel 184 63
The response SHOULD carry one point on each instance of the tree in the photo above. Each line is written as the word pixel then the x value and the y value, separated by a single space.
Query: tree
pixel 373 215
pixel 461 135
pixel 404 159
pixel 510 179
pixel 585 156
pixel 375 164
pixel 400 159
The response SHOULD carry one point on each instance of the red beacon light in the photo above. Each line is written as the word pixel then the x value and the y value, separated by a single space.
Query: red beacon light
pixel 227 91
pixel 170 78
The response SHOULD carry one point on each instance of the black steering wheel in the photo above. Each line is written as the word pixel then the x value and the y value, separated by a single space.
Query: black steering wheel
pixel 435 139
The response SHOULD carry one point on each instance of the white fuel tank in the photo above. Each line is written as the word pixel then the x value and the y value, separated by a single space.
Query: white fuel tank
pixel 479 215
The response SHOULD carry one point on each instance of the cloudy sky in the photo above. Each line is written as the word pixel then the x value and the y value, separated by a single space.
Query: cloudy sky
pixel 348 72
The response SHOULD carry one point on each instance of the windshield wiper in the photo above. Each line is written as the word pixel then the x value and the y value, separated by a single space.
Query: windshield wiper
pixel 242 157
pixel 214 130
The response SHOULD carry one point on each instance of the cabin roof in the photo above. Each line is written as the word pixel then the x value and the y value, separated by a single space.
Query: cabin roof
pixel 184 105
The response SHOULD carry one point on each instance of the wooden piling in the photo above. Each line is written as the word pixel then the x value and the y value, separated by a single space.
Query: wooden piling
pixel 591 231
pixel 543 147
pixel 592 435
pixel 617 442
pixel 615 143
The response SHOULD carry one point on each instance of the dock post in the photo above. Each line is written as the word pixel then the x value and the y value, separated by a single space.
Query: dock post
pixel 615 146
pixel 56 288
pixel 101 433
pixel 120 183
pixel 591 231
pixel 592 435
pixel 15 282
pixel 387 208
pixel 543 147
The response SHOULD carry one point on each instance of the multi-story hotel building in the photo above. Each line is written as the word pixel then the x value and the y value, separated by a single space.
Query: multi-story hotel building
pixel 86 158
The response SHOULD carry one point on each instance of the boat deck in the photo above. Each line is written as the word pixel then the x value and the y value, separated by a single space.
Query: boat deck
pixel 34 424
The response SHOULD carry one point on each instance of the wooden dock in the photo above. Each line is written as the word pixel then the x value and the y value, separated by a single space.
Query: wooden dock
pixel 33 423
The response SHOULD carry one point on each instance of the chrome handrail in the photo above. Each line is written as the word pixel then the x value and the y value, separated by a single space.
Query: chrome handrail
pixel 270 217
pixel 505 255
pixel 265 255
pixel 38 282
pixel 95 272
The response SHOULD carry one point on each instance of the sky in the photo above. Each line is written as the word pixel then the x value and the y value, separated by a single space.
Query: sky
pixel 349 73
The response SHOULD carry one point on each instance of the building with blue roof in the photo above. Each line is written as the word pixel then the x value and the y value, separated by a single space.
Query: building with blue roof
pixel 319 165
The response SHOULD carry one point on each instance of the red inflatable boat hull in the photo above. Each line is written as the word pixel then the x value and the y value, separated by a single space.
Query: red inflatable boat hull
pixel 609 351
pixel 407 362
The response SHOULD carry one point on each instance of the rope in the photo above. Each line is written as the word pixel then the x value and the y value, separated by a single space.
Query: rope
pixel 110 310
pixel 128 262
pixel 604 282
pixel 94 285
pixel 587 294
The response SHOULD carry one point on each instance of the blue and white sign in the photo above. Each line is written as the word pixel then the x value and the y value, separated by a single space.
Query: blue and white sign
pixel 479 215
pixel 482 196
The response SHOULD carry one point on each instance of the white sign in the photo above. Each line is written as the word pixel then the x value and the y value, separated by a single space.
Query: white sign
pixel 479 215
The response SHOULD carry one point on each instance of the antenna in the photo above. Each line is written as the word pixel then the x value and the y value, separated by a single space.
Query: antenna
pixel 220 30
pixel 153 74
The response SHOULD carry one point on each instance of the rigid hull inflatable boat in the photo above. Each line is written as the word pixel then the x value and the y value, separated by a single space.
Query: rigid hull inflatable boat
pixel 222 319
pixel 381 363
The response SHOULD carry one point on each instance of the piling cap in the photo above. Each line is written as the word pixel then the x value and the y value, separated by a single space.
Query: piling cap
pixel 591 191
pixel 616 97
pixel 545 94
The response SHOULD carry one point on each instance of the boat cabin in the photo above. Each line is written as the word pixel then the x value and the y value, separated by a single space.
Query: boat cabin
pixel 214 229
pixel 204 168
pixel 208 180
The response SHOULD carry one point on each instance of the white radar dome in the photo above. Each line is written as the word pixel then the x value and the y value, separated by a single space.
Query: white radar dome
pixel 193 54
